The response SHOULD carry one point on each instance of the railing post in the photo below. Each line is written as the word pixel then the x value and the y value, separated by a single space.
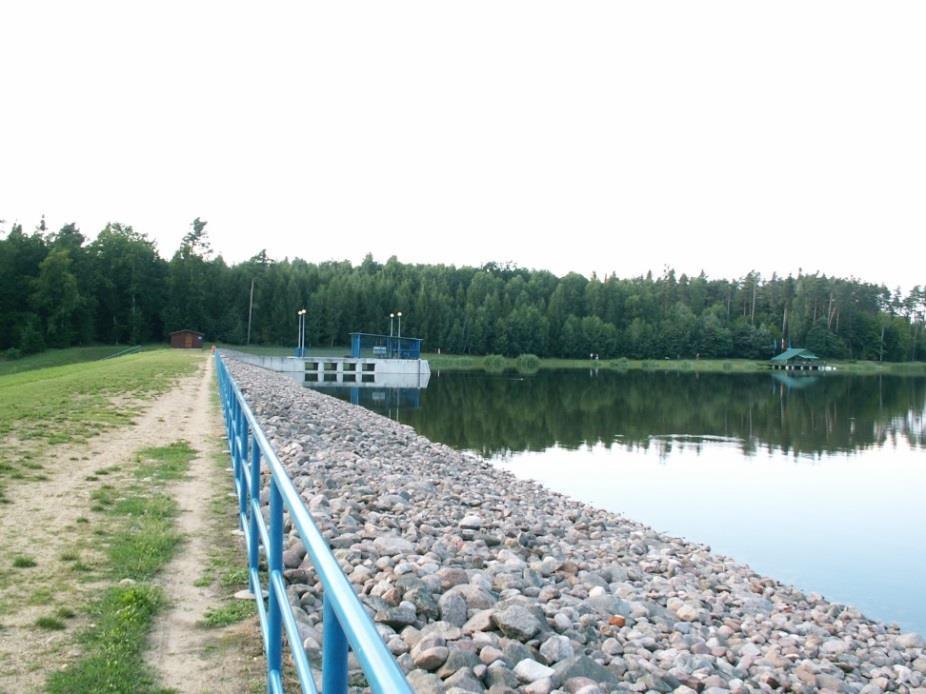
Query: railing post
pixel 254 493
pixel 275 562
pixel 334 651
pixel 242 489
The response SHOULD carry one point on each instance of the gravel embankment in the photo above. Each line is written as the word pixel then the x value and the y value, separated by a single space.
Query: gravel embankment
pixel 479 581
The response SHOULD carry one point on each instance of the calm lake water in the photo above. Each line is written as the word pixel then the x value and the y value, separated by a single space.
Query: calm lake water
pixel 816 481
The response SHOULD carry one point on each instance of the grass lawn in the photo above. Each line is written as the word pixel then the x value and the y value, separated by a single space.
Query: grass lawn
pixel 75 402
pixel 63 357
pixel 138 533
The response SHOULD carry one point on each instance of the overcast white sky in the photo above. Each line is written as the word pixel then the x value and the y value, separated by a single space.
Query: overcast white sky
pixel 586 136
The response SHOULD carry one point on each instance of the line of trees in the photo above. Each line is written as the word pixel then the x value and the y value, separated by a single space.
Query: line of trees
pixel 57 289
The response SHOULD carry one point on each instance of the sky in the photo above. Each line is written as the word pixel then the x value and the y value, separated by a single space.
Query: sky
pixel 569 136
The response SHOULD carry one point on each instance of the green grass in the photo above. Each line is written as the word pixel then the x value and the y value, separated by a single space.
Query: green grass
pixel 58 357
pixel 23 563
pixel 146 539
pixel 40 596
pixel 139 538
pixel 73 403
pixel 165 462
pixel 229 613
pixel 51 623
pixel 115 645
pixel 277 351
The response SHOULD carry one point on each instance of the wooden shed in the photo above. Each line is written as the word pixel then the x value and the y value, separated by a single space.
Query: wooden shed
pixel 186 339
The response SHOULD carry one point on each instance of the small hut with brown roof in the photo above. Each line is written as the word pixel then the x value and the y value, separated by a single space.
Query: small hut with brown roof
pixel 186 339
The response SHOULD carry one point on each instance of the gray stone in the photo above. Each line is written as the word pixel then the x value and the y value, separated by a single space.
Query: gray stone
pixel 517 622
pixel 556 648
pixel 390 545
pixel 489 654
pixel 472 522
pixel 451 576
pixel 579 684
pixel 292 558
pixel 582 666
pixel 423 682
pixel 515 652
pixel 465 680
pixel 445 630
pixel 608 605
pixel 397 617
pixel 501 677
pixel 476 598
pixel 453 608
pixel 430 658
pixel 541 686
pixel 481 621
pixel 529 670
pixel 834 647
pixel 456 660
pixel 910 640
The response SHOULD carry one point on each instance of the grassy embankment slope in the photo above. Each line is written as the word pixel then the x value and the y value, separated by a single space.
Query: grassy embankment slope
pixel 63 357
pixel 43 406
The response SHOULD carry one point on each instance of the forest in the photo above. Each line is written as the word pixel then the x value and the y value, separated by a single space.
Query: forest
pixel 58 289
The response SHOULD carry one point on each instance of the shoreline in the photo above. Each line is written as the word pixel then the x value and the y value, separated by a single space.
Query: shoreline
pixel 478 580
pixel 530 363
pixel 494 363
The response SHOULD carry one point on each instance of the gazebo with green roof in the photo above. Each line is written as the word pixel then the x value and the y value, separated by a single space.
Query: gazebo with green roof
pixel 797 359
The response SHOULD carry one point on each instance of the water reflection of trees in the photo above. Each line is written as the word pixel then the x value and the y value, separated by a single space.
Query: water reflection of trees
pixel 500 414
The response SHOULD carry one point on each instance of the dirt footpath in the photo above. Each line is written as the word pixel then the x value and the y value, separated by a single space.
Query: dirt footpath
pixel 46 519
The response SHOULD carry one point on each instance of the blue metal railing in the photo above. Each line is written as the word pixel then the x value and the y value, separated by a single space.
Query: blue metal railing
pixel 384 346
pixel 345 622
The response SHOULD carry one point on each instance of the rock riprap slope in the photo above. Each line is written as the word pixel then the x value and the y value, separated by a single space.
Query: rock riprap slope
pixel 480 581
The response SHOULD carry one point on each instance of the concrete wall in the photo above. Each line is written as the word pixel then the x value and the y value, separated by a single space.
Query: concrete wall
pixel 405 373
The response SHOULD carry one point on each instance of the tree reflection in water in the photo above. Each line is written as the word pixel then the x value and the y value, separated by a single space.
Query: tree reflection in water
pixel 495 415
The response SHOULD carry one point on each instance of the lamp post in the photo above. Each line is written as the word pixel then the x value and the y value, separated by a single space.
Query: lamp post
pixel 399 335
pixel 301 349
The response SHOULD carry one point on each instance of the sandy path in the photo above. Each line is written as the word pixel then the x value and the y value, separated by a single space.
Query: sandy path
pixel 51 508
pixel 182 652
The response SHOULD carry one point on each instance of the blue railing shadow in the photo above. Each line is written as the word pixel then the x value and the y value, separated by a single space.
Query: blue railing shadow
pixel 346 624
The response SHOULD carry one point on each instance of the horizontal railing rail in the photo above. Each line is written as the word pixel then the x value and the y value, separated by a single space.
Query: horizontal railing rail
pixel 345 623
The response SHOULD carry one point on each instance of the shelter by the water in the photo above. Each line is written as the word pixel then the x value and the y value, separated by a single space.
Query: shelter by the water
pixel 797 359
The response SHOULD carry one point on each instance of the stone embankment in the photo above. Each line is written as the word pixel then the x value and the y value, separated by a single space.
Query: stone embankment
pixel 479 581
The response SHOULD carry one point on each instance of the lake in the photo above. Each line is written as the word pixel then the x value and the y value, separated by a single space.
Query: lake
pixel 817 481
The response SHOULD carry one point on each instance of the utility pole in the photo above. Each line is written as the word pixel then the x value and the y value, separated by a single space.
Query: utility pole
pixel 250 310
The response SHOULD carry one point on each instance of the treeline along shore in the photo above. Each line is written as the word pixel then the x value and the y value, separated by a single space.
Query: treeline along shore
pixel 58 289
pixel 479 581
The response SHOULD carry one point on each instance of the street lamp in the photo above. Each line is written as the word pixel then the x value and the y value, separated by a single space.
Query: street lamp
pixel 399 334
pixel 301 349
pixel 391 316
